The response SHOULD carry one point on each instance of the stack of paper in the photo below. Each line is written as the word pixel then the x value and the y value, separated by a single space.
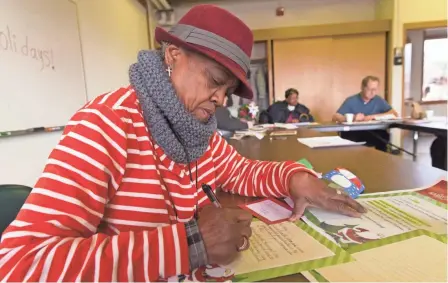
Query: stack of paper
pixel 387 117
pixel 249 133
pixel 259 129
pixel 362 122
pixel 331 141
pixel 285 126
pixel 284 133
pixel 263 126
pixel 305 124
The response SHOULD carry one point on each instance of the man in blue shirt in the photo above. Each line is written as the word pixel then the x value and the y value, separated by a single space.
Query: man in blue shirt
pixel 366 106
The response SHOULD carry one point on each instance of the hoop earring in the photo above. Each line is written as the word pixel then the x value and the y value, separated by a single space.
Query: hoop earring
pixel 169 70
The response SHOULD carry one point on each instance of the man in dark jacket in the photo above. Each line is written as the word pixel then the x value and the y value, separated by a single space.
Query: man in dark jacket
pixel 290 110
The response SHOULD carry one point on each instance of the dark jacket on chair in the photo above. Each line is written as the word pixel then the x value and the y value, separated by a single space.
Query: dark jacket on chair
pixel 438 153
pixel 227 122
pixel 279 113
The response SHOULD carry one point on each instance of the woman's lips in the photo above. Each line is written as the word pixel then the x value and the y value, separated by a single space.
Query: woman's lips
pixel 204 114
pixel 207 112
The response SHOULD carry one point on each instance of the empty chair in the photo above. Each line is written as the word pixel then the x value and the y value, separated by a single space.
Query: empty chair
pixel 12 198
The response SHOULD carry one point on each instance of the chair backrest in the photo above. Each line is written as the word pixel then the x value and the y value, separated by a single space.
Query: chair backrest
pixel 264 117
pixel 12 198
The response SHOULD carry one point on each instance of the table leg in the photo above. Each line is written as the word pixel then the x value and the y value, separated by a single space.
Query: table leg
pixel 415 145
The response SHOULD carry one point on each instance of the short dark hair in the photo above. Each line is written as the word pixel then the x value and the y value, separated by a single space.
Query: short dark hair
pixel 290 91
pixel 368 79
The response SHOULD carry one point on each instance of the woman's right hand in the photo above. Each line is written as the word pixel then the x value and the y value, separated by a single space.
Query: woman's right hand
pixel 223 230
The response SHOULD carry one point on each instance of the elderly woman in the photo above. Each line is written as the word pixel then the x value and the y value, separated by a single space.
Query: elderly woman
pixel 120 198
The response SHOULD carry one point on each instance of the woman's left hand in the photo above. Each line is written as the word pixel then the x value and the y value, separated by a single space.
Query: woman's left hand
pixel 307 190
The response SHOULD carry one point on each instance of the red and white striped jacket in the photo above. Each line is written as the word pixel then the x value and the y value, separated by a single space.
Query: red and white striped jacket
pixel 103 209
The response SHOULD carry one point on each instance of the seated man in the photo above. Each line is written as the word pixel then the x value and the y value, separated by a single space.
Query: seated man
pixel 366 106
pixel 290 110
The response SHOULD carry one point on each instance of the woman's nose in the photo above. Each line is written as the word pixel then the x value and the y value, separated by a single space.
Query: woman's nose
pixel 218 98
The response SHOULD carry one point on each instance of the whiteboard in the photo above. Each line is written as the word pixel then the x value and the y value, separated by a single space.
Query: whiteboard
pixel 42 80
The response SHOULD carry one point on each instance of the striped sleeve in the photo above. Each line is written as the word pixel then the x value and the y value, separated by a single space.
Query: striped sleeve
pixel 54 237
pixel 247 177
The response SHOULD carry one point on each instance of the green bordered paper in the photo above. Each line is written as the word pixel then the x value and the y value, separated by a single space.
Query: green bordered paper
pixel 306 163
pixel 388 214
pixel 275 250
pixel 416 265
pixel 413 213
pixel 310 242
pixel 418 193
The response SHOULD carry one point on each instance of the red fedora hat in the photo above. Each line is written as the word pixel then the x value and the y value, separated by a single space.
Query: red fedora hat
pixel 218 34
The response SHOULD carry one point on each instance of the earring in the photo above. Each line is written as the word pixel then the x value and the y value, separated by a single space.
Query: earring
pixel 169 70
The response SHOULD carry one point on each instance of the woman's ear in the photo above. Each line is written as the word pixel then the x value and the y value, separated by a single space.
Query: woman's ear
pixel 172 54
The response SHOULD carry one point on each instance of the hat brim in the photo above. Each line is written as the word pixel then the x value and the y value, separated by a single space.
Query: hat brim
pixel 244 89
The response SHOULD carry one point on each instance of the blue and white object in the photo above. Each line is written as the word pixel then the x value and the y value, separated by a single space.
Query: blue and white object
pixel 349 188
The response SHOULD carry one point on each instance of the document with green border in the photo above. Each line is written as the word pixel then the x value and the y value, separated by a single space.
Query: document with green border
pixel 388 214
pixel 417 256
pixel 284 249
pixel 275 250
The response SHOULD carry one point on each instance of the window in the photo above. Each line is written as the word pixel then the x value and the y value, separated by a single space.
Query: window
pixel 407 70
pixel 435 69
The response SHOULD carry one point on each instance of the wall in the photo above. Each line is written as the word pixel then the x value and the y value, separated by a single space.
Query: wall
pixel 112 32
pixel 428 10
pixel 258 14
pixel 403 12
pixel 413 11
pixel 384 9
pixel 109 46
pixel 415 74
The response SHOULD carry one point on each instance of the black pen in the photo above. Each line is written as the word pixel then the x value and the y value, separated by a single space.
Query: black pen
pixel 211 195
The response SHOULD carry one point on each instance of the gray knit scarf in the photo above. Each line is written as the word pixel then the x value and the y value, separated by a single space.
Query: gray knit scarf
pixel 183 138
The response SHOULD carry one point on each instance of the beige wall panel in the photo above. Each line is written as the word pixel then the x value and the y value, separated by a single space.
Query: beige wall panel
pixel 327 70
pixel 304 64
pixel 355 57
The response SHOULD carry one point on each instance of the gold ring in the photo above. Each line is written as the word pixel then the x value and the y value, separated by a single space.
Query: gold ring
pixel 244 245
